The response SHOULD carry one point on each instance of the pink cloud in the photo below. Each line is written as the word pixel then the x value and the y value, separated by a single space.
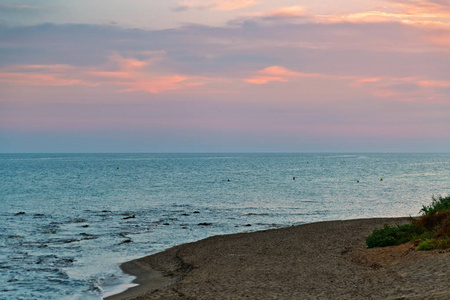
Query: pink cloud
pixel 129 74
pixel 137 75
pixel 277 73
pixel 42 75
pixel 406 89
pixel 369 79
pixel 441 39
pixel 157 85
pixel 8 6
pixel 434 83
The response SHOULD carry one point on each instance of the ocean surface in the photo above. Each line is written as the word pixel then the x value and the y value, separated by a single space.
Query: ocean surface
pixel 68 220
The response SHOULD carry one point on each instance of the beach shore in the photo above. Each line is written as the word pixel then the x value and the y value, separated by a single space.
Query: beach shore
pixel 326 260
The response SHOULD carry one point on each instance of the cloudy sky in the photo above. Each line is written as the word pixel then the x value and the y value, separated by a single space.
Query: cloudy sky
pixel 224 76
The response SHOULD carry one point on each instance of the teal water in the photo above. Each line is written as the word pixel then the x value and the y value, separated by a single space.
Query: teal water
pixel 68 220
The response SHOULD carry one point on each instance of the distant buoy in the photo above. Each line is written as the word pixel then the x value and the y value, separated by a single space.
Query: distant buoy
pixel 293 178
pixel 228 179
pixel 381 179
pixel 357 181
pixel 117 168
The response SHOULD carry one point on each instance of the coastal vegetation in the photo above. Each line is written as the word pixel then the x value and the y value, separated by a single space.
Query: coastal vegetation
pixel 428 232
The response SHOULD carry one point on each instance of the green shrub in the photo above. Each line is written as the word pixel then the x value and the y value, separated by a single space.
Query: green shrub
pixel 393 235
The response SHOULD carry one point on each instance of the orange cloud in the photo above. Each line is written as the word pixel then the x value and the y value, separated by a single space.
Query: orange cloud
pixel 417 7
pixel 276 73
pixel 416 12
pixel 361 17
pixel 380 16
pixel 291 11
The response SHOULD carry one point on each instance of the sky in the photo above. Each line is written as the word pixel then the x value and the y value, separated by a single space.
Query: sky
pixel 224 76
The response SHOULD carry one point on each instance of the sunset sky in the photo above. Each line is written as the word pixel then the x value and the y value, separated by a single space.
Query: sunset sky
pixel 224 76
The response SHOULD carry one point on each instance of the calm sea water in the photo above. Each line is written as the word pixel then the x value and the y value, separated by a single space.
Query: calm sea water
pixel 68 220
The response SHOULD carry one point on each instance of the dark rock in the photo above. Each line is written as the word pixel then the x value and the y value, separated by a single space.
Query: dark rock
pixel 204 224
pixel 20 213
pixel 70 241
pixel 85 226
pixel 196 212
pixel 248 225
pixel 125 242
pixel 186 215
pixel 166 224
pixel 129 217
pixel 14 236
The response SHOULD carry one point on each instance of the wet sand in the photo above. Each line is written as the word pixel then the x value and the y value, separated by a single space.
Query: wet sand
pixel 326 260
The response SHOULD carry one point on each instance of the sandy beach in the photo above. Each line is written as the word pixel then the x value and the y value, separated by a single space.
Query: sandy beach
pixel 326 260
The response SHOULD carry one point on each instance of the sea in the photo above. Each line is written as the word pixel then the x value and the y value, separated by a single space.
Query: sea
pixel 67 221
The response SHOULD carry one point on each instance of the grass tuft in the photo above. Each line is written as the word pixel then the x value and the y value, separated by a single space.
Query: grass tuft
pixel 431 244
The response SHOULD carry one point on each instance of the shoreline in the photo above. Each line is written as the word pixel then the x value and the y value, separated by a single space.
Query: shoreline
pixel 309 261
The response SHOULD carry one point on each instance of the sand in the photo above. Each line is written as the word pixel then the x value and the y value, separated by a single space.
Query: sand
pixel 326 260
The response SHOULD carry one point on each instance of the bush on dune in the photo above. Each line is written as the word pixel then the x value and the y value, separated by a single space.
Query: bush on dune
pixel 431 230
pixel 438 204
pixel 393 235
